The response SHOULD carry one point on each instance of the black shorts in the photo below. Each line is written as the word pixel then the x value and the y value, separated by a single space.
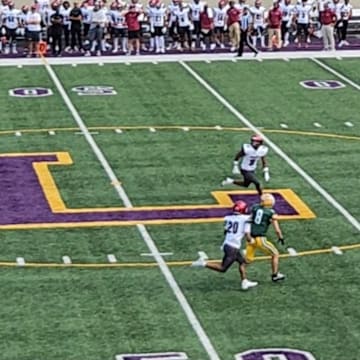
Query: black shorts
pixel 119 32
pixel 197 27
pixel 10 34
pixel 249 177
pixel 158 31
pixel 219 30
pixel 231 255
pixel 33 35
pixel 206 32
pixel 134 34
pixel 302 29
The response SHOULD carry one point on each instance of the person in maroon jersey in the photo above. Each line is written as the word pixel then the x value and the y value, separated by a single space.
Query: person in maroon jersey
pixel 206 26
pixel 328 20
pixel 274 26
pixel 233 16
pixel 133 24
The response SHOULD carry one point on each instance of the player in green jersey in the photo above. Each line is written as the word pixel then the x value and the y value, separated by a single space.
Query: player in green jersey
pixel 262 215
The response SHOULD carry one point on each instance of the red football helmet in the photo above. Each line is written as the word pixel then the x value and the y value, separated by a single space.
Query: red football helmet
pixel 240 207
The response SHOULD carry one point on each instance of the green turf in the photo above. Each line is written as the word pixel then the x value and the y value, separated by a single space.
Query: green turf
pixel 95 314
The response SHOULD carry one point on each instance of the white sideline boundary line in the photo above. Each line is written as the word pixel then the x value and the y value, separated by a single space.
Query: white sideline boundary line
pixel 336 73
pixel 194 322
pixel 349 217
pixel 20 62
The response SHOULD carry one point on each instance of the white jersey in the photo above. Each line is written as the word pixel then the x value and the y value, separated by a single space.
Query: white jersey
pixel 287 12
pixel 117 19
pixel 173 9
pixel 159 17
pixel 345 11
pixel 183 17
pixel 302 12
pixel 235 226
pixel 219 17
pixel 31 17
pixel 66 16
pixel 43 5
pixel 336 8
pixel 86 14
pixel 11 18
pixel 258 14
pixel 252 156
pixel 196 9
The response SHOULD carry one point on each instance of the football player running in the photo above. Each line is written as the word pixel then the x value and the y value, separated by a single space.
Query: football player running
pixel 250 154
pixel 262 215
pixel 235 227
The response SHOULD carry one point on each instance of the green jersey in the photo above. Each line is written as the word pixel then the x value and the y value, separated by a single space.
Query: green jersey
pixel 261 219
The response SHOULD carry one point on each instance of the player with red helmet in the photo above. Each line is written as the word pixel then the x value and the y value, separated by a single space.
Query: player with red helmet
pixel 250 155
pixel 236 225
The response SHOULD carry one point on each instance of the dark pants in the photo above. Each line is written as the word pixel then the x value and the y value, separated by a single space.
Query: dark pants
pixel 343 30
pixel 56 42
pixel 76 37
pixel 244 39
pixel 66 35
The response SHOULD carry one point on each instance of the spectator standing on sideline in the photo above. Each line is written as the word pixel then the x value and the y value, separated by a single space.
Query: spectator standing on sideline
pixel 346 13
pixel 134 27
pixel 56 31
pixel 245 31
pixel 97 26
pixel 233 17
pixel 328 20
pixel 274 26
pixel 65 12
pixel 75 17
pixel 33 20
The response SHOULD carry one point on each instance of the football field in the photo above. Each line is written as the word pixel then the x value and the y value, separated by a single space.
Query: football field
pixel 110 180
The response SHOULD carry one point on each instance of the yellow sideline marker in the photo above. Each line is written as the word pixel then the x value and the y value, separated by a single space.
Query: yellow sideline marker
pixel 154 264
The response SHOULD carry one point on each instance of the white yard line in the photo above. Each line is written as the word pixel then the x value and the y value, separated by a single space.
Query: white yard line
pixel 194 322
pixel 349 217
pixel 336 73
pixel 128 60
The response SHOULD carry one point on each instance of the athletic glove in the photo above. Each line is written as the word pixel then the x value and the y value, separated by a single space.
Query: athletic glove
pixel 235 169
pixel 281 241
pixel 266 174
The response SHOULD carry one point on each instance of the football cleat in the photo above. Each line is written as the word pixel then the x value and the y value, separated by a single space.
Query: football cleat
pixel 227 181
pixel 277 277
pixel 267 200
pixel 240 207
pixel 199 263
pixel 247 284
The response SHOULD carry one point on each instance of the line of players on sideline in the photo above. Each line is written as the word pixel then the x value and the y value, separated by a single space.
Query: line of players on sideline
pixel 95 27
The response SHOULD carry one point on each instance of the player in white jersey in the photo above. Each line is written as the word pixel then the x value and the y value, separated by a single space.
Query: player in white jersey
pixel 86 11
pixel 10 19
pixel 236 225
pixel 196 7
pixel 287 10
pixel 258 15
pixel 118 27
pixel 250 155
pixel 346 13
pixel 150 12
pixel 159 18
pixel 302 17
pixel 219 23
pixel 184 22
pixel 173 8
